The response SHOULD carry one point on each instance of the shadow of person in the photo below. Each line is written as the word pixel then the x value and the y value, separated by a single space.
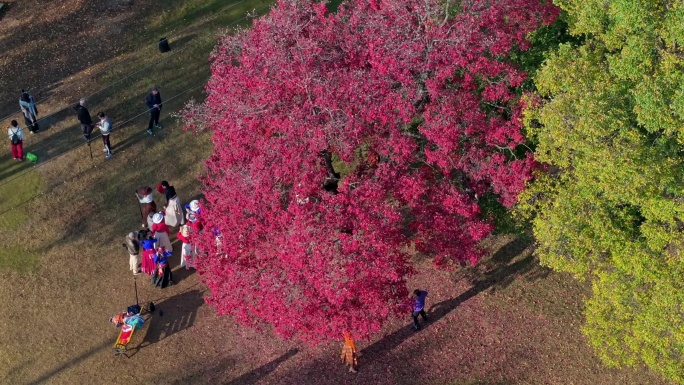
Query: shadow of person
pixel 172 315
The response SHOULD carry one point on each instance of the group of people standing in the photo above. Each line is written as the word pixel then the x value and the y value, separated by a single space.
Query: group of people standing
pixel 15 132
pixel 28 107
pixel 104 124
pixel 150 248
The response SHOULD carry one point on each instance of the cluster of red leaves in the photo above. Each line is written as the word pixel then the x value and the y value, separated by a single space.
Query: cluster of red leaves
pixel 392 88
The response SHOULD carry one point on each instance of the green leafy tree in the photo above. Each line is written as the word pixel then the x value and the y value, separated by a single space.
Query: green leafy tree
pixel 608 122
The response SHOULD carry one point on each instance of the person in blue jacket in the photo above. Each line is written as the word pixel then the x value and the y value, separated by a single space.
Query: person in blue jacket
pixel 162 275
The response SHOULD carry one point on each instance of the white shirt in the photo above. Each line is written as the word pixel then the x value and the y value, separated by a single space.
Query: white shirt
pixel 12 130
pixel 105 126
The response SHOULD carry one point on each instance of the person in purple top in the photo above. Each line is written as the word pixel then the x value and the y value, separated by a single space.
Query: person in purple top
pixel 419 307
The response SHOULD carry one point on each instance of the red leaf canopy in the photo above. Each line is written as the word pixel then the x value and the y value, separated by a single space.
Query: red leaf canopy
pixel 392 95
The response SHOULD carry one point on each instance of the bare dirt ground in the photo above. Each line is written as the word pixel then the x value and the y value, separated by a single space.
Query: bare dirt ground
pixel 508 321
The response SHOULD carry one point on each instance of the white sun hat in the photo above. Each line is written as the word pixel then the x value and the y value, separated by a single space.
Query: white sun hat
pixel 157 218
pixel 194 205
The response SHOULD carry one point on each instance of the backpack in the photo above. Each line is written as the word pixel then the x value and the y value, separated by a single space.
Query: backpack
pixel 15 137
pixel 133 309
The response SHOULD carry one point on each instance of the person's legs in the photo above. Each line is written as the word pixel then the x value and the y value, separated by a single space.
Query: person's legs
pixel 414 315
pixel 87 130
pixel 34 124
pixel 422 313
pixel 154 118
pixel 156 113
pixel 29 124
pixel 108 146
pixel 133 263
pixel 20 150
pixel 14 151
pixel 183 254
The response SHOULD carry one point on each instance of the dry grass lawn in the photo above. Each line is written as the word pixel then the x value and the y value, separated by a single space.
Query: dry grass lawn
pixel 63 270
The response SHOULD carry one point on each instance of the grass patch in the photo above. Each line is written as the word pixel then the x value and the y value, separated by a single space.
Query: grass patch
pixel 19 260
pixel 16 192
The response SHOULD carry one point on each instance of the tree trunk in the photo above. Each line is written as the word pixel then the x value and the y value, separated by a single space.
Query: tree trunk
pixel 331 181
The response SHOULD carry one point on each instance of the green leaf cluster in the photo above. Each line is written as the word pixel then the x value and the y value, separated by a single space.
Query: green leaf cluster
pixel 608 121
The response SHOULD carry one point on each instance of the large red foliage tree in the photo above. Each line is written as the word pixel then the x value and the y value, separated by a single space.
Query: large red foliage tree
pixel 340 139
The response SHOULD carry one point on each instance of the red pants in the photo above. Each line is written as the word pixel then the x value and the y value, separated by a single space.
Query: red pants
pixel 18 150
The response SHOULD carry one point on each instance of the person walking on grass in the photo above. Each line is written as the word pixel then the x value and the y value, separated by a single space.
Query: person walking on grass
pixel 154 104
pixel 28 108
pixel 16 137
pixel 105 126
pixel 84 118
pixel 419 308
pixel 133 247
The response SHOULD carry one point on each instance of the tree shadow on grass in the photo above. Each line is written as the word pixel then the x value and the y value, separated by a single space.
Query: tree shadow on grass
pixel 172 315
pixel 511 262
pixel 262 371
pixel 502 271
pixel 212 373
pixel 71 363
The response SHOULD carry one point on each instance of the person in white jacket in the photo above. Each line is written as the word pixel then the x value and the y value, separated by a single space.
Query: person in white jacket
pixel 105 126
pixel 16 137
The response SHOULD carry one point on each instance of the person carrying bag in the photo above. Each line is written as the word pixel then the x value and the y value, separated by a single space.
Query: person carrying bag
pixel 16 137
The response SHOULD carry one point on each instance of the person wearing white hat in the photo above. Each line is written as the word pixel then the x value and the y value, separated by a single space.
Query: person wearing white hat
pixel 161 231
pixel 194 216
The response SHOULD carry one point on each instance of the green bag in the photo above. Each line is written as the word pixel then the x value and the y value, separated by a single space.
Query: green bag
pixel 31 157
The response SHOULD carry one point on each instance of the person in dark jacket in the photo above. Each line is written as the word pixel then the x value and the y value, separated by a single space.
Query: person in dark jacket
pixel 154 103
pixel 133 247
pixel 84 118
